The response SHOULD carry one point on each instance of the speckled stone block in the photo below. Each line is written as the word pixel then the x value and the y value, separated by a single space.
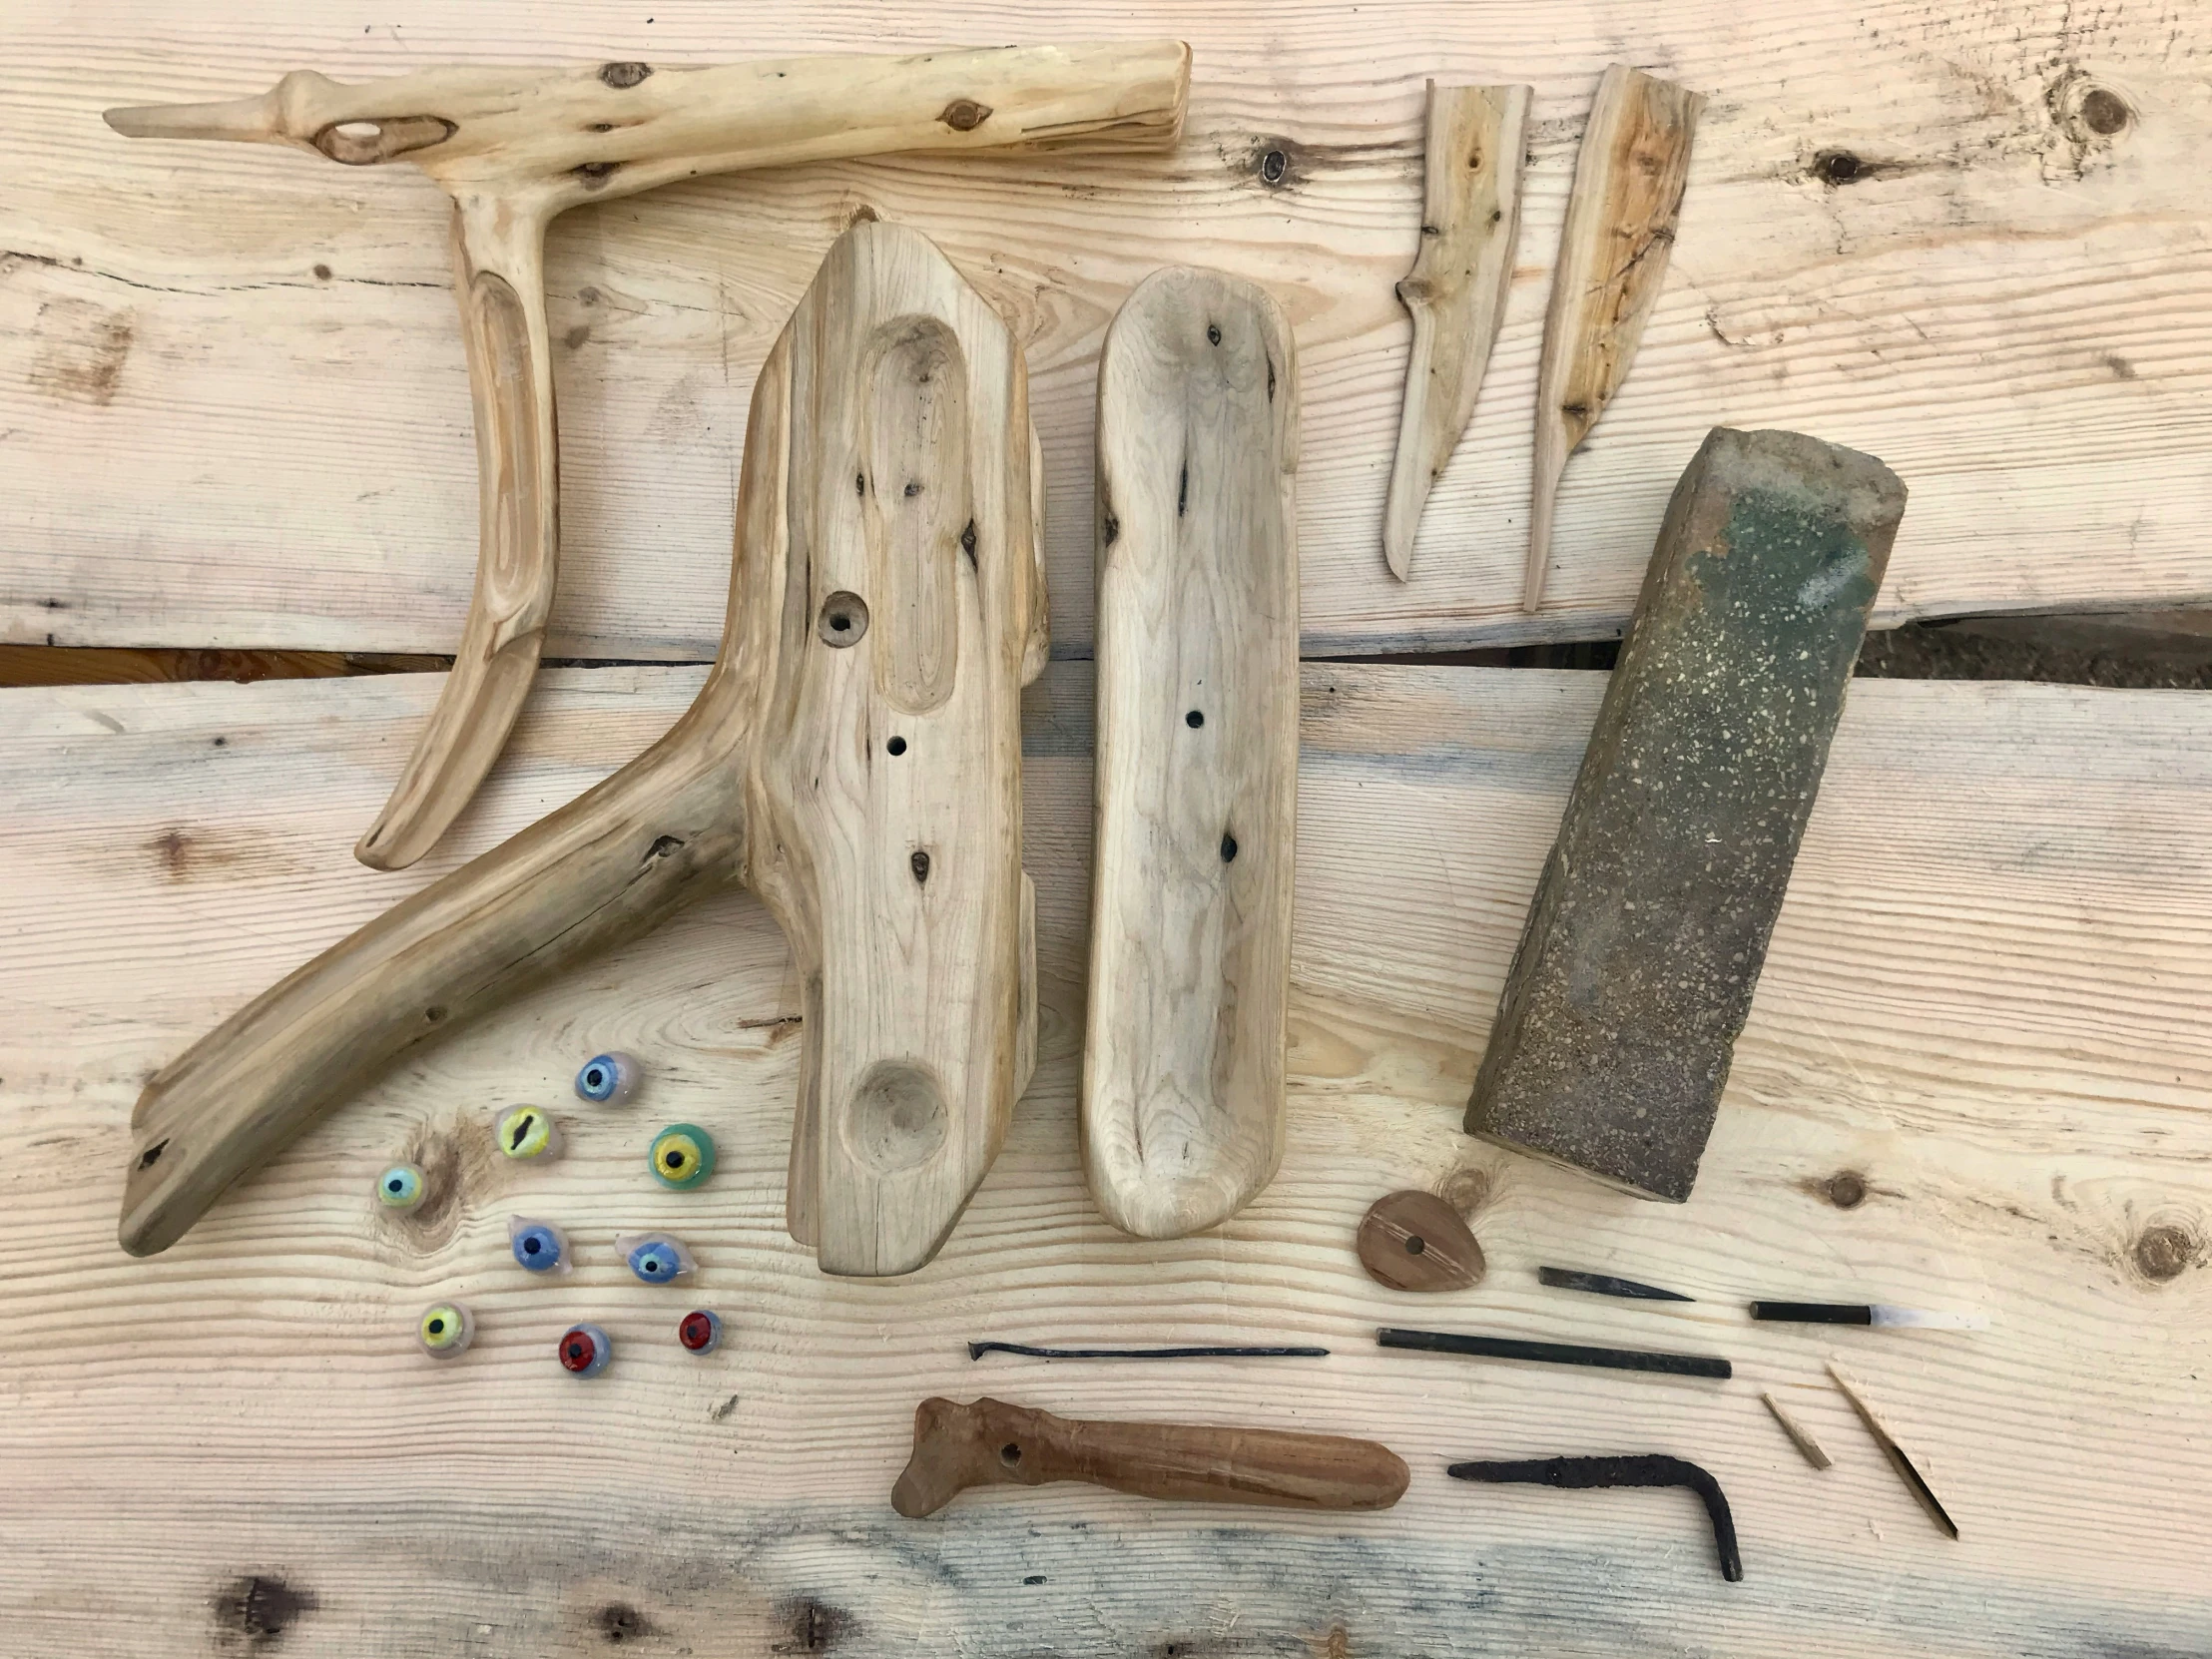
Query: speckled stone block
pixel 1650 922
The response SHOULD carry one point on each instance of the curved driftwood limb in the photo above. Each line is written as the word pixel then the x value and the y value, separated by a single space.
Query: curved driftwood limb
pixel 1183 1096
pixel 1455 293
pixel 869 788
pixel 990 1443
pixel 1628 182
pixel 515 147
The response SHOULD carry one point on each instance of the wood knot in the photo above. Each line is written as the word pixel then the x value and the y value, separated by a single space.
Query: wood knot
pixel 2163 1251
pixel 2104 112
pixel 623 76
pixel 618 1621
pixel 964 114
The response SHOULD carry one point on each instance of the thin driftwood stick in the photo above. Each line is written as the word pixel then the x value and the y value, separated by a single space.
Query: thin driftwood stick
pixel 515 147
pixel 1455 293
pixel 991 1442
pixel 1801 1436
pixel 865 778
pixel 1198 707
pixel 1628 182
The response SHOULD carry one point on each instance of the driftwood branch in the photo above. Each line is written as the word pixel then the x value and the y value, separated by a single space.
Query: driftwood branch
pixel 865 778
pixel 515 147
pixel 1455 293
pixel 1628 184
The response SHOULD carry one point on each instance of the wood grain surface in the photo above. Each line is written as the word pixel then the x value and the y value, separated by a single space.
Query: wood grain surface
pixel 1975 1076
pixel 1968 238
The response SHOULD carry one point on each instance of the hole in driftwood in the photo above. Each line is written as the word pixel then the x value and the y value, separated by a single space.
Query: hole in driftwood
pixel 1010 1454
pixel 843 618
pixel 1194 720
pixel 1415 1244
pixel 151 1155
pixel 897 745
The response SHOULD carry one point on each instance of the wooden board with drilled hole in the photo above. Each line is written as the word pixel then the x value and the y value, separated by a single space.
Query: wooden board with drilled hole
pixel 1977 1082
pixel 1968 239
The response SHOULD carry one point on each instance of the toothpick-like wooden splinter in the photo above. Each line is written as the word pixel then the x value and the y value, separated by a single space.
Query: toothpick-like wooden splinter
pixel 514 147
pixel 1908 1470
pixel 1471 221
pixel 1628 182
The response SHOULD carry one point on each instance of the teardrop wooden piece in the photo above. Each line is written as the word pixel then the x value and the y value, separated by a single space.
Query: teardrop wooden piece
pixel 1414 1240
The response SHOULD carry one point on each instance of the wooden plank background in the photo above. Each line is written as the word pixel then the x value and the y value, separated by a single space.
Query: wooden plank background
pixel 1989 1000
pixel 232 408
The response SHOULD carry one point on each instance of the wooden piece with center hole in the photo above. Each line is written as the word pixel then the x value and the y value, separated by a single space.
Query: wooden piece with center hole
pixel 1414 1240
pixel 990 1443
pixel 1455 293
pixel 818 773
pixel 1628 184
pixel 514 147
pixel 1197 769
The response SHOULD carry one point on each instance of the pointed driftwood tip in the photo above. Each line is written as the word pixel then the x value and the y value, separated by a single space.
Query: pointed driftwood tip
pixel 133 119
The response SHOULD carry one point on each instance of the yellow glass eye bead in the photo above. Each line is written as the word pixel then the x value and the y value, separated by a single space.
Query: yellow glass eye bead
pixel 527 1132
pixel 445 1330
pixel 682 1156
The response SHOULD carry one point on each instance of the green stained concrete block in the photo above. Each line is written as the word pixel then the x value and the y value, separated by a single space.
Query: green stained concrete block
pixel 1650 922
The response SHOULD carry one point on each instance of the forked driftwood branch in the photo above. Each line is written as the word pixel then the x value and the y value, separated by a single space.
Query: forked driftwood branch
pixel 515 147
pixel 1455 293
pixel 1628 184
pixel 1183 1090
pixel 855 756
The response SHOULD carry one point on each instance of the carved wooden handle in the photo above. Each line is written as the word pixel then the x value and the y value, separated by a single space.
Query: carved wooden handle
pixel 991 1442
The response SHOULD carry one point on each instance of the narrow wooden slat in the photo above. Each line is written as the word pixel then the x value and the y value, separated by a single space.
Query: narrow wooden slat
pixel 1974 1077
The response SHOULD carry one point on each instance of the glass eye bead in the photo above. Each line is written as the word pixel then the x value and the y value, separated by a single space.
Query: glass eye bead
pixel 527 1132
pixel 445 1330
pixel 585 1351
pixel 609 1079
pixel 538 1244
pixel 654 1257
pixel 682 1156
pixel 401 1187
pixel 700 1330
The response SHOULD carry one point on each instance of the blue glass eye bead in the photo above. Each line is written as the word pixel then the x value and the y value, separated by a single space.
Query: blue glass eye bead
pixel 682 1156
pixel 609 1079
pixel 585 1351
pixel 527 1132
pixel 401 1187
pixel 538 1244
pixel 700 1330
pixel 445 1330
pixel 654 1257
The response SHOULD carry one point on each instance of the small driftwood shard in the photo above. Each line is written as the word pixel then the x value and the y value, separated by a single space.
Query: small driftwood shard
pixel 819 769
pixel 515 147
pixel 1590 1473
pixel 1183 1088
pixel 1908 1470
pixel 1414 1240
pixel 1650 921
pixel 1799 1435
pixel 1470 222
pixel 993 1444
pixel 1628 182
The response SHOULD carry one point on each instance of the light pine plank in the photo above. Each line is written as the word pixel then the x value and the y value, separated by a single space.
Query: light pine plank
pixel 204 443
pixel 1986 997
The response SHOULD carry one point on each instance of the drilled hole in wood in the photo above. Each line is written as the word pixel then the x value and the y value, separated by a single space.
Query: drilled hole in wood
pixel 897 745
pixel 1010 1454
pixel 843 618
pixel 1274 166
pixel 1415 1244
pixel 1194 720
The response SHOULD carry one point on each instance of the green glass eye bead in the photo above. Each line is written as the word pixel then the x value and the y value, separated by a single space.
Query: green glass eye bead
pixel 682 1156
pixel 401 1187
pixel 445 1330
pixel 527 1132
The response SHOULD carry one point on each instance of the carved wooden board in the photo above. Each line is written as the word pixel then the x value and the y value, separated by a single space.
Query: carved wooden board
pixel 1969 238
pixel 1978 1081
pixel 1197 824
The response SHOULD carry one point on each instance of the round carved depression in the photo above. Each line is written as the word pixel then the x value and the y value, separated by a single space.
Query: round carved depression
pixel 843 618
pixel 896 1118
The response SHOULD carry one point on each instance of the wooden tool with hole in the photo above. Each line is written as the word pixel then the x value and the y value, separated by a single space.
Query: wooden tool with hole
pixel 514 147
pixel 854 757
pixel 993 1443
